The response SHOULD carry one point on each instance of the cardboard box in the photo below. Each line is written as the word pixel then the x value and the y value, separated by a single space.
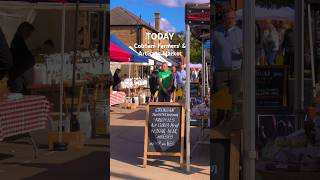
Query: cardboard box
pixel 75 140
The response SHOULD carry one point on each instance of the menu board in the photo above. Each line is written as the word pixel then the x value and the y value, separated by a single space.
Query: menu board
pixel 164 130
pixel 271 86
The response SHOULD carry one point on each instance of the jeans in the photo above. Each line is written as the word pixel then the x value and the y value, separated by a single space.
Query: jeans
pixel 163 97
pixel 272 57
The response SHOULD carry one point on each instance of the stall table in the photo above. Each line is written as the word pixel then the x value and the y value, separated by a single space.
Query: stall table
pixel 281 175
pixel 22 116
pixel 117 97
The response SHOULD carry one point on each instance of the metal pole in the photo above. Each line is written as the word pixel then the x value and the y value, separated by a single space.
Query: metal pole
pixel 299 60
pixel 203 72
pixel 207 79
pixel 187 103
pixel 63 27
pixel 248 80
pixel 74 62
pixel 104 40
pixel 311 50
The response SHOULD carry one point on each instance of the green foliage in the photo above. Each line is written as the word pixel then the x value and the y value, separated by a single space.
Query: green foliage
pixel 195 46
pixel 195 51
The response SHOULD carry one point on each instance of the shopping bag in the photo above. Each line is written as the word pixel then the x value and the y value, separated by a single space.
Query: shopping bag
pixel 156 94
pixel 85 122
pixel 222 100
pixel 280 60
pixel 180 92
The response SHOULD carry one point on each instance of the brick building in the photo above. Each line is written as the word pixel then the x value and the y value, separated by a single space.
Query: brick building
pixel 131 30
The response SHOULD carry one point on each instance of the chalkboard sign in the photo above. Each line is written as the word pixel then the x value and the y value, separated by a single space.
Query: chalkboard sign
pixel 271 86
pixel 164 130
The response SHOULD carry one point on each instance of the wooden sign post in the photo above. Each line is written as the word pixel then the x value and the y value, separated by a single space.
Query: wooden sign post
pixel 164 131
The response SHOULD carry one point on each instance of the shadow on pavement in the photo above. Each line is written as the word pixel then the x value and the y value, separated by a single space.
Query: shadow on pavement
pixel 127 143
pixel 92 166
pixel 136 115
pixel 123 176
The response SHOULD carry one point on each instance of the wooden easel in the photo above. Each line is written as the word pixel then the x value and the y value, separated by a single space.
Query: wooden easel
pixel 146 136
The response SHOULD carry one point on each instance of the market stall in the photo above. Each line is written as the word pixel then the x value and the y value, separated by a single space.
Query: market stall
pixel 53 71
pixel 289 145
pixel 23 115
pixel 134 82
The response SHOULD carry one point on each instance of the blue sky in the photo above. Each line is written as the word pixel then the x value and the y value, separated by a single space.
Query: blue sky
pixel 171 11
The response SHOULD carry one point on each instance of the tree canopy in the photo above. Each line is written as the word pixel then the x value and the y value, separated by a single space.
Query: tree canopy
pixel 195 46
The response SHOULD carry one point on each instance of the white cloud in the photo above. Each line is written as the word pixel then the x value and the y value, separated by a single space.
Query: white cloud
pixel 176 3
pixel 166 26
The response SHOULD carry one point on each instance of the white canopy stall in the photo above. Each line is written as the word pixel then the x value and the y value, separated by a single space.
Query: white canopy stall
pixel 50 21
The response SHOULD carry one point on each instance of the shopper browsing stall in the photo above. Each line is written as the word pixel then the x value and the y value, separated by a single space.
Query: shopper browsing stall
pixel 5 56
pixel 227 50
pixel 181 77
pixel 271 42
pixel 21 74
pixel 46 48
pixel 165 81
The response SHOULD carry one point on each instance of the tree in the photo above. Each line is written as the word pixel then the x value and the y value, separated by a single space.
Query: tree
pixel 195 46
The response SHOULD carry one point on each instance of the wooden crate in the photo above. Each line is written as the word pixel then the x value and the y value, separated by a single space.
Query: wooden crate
pixel 129 106
pixel 75 140
pixel 3 86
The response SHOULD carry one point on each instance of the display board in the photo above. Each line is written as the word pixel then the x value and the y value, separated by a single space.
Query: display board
pixel 271 86
pixel 194 89
pixel 164 130
pixel 219 159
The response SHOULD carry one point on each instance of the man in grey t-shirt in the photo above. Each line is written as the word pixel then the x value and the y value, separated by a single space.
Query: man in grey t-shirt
pixel 227 52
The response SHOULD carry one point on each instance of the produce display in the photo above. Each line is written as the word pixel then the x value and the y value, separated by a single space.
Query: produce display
pixel 130 83
pixel 299 151
pixel 200 108
pixel 49 71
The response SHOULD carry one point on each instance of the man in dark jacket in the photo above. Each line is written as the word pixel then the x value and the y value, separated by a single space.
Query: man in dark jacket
pixel 5 56
pixel 23 60
pixel 116 80
pixel 153 82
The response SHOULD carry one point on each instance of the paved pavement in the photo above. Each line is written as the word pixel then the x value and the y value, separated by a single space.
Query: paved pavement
pixel 127 136
pixel 88 163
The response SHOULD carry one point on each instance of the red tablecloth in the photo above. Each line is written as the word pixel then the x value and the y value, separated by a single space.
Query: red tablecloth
pixel 23 115
pixel 117 97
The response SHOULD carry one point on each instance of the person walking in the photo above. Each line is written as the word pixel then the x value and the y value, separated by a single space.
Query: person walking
pixel 181 77
pixel 288 48
pixel 165 81
pixel 153 83
pixel 21 73
pixel 271 43
pixel 174 88
pixel 116 80
pixel 227 50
